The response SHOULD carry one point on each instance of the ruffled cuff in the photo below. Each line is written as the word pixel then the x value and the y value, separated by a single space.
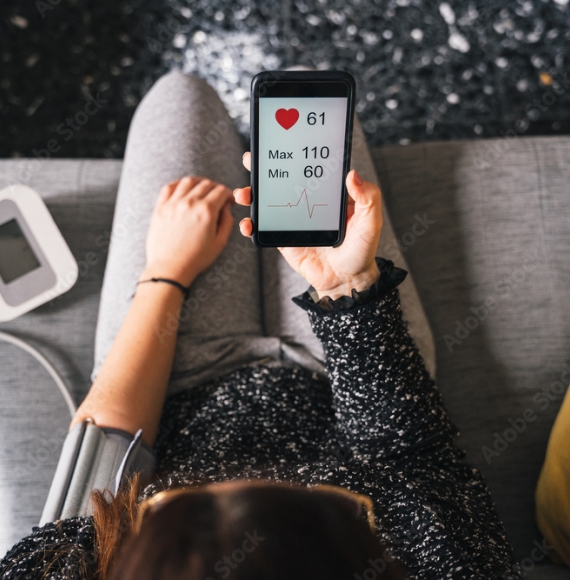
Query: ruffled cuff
pixel 390 278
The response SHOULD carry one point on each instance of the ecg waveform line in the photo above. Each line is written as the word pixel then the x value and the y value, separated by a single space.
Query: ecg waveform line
pixel 310 208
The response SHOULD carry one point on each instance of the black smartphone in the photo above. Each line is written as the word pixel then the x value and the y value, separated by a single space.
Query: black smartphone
pixel 301 134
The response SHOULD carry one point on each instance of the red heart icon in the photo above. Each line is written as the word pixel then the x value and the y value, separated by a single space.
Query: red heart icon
pixel 287 117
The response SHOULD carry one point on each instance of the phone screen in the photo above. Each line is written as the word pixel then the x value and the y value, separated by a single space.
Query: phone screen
pixel 301 150
pixel 301 136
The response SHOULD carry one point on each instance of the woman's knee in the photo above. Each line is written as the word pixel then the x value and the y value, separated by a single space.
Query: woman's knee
pixel 177 97
pixel 176 78
pixel 186 85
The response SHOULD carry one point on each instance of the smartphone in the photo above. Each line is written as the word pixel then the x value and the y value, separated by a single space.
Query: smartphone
pixel 301 134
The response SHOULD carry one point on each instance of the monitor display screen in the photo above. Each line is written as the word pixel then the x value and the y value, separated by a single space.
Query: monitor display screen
pixel 16 255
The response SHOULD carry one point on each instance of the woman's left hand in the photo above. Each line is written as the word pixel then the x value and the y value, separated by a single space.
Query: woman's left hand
pixel 189 228
pixel 336 271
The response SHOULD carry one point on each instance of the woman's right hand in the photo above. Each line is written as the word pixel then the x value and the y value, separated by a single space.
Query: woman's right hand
pixel 189 228
pixel 336 271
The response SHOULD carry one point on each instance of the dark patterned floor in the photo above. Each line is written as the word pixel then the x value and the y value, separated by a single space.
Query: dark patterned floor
pixel 73 71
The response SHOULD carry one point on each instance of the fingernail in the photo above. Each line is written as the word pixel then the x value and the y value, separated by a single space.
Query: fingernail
pixel 234 192
pixel 356 178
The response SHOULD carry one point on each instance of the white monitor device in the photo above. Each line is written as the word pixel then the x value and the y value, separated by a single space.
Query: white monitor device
pixel 36 264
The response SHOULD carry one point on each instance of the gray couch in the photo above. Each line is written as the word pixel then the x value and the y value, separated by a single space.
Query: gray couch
pixel 490 258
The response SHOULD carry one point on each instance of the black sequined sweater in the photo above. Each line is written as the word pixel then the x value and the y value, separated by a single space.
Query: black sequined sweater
pixel 377 426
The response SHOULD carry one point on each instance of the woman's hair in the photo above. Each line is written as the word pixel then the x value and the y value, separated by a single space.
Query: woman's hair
pixel 112 520
pixel 261 532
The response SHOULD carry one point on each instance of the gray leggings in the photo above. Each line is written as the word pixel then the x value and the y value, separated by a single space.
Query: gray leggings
pixel 240 310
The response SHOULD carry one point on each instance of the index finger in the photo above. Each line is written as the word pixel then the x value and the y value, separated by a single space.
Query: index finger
pixel 242 195
pixel 218 196
pixel 246 160
pixel 167 190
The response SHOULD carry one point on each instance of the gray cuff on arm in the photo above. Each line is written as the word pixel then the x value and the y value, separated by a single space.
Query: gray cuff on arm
pixel 94 458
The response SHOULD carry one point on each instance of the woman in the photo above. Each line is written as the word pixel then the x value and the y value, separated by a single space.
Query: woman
pixel 250 400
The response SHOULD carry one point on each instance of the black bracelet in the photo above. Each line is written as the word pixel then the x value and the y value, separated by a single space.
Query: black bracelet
pixel 184 289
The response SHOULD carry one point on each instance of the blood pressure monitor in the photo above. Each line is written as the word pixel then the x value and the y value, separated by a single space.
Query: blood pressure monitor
pixel 36 264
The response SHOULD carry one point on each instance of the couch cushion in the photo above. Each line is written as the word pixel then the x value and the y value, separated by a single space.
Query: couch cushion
pixel 479 222
pixel 493 271
pixel 33 416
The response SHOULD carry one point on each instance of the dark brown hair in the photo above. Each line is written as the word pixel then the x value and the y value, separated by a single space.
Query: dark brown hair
pixel 262 532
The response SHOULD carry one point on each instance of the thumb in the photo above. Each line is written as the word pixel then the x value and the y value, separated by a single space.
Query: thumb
pixel 356 187
pixel 364 193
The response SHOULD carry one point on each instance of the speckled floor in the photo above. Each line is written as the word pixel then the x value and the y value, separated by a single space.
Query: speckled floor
pixel 73 71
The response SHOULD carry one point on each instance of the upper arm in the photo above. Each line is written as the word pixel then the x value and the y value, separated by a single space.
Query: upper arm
pixel 94 458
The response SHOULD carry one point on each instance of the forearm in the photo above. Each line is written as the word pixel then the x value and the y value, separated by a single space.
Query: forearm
pixel 130 389
pixel 385 402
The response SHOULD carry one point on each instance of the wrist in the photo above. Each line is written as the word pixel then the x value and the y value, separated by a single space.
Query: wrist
pixel 165 271
pixel 359 282
pixel 160 291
